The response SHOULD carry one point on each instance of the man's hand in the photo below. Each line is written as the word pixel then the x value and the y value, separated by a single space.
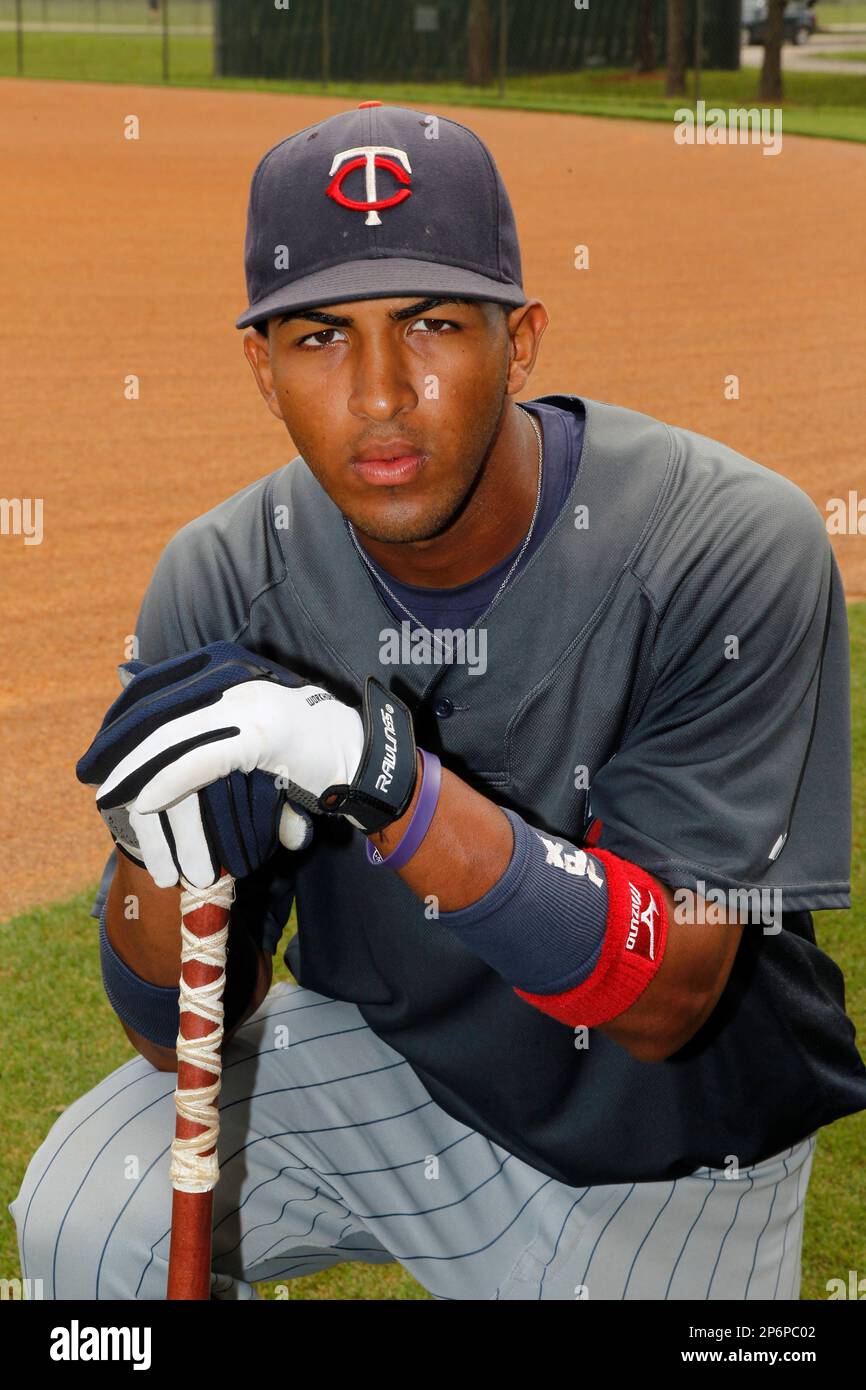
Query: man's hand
pixel 199 747
pixel 237 823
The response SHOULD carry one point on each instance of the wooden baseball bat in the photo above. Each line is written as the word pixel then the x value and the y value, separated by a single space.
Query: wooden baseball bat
pixel 195 1169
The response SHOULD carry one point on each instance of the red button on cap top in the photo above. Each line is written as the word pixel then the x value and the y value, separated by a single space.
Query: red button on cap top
pixel 362 104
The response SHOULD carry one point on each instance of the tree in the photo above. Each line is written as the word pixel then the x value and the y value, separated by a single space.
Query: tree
pixel 675 85
pixel 771 72
pixel 645 48
pixel 479 33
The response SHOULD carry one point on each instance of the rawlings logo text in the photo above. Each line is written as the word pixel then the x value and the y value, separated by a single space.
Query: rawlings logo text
pixel 389 762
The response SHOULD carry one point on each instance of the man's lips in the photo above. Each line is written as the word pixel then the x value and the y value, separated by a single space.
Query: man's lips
pixel 391 471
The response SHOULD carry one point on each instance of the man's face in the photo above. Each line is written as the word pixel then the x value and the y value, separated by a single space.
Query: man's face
pixel 423 379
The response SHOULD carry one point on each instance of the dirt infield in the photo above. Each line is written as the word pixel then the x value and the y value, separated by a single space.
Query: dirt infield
pixel 125 257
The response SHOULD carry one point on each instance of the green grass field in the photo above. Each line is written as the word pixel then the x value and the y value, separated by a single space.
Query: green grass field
pixel 828 15
pixel 44 1070
pixel 104 12
pixel 831 105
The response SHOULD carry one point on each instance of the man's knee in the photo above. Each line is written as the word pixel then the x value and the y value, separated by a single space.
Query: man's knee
pixel 95 1200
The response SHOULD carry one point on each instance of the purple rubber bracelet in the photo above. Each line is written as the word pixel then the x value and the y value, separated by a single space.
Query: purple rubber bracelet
pixel 418 826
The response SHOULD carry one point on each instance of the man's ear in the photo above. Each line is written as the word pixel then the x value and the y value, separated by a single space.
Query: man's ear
pixel 526 325
pixel 258 354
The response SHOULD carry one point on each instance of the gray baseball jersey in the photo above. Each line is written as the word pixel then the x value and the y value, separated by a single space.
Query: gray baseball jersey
pixel 670 666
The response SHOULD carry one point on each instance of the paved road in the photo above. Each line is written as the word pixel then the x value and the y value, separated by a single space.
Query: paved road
pixel 814 56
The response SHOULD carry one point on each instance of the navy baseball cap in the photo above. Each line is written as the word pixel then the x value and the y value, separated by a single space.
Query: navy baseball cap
pixel 378 202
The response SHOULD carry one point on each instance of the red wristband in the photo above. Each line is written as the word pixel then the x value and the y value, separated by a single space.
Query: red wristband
pixel 631 953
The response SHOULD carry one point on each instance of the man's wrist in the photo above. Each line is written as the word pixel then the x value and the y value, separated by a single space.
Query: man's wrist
pixel 386 777
pixel 387 839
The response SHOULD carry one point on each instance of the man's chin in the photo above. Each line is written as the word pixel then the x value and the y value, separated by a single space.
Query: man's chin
pixel 401 529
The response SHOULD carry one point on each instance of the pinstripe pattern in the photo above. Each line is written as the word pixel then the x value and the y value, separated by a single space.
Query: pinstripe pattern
pixel 331 1150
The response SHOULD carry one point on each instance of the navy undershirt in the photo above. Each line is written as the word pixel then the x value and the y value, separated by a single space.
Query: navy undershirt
pixel 462 605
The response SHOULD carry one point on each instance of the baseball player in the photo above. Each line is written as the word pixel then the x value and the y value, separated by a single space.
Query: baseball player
pixel 538 712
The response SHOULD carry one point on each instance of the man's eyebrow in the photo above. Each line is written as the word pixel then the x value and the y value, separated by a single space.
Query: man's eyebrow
pixel 337 321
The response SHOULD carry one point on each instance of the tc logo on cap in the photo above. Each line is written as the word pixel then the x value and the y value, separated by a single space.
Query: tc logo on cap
pixel 370 158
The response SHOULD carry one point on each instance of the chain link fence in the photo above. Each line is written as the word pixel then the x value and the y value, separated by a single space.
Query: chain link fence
pixel 399 40
pixel 339 40
pixel 130 16
pixel 136 39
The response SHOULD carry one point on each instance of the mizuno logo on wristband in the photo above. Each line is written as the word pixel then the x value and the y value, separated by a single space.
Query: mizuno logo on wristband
pixel 647 917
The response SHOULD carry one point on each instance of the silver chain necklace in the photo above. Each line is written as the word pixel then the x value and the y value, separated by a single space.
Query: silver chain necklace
pixel 511 569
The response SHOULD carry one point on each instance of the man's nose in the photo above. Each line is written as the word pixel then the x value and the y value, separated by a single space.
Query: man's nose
pixel 382 379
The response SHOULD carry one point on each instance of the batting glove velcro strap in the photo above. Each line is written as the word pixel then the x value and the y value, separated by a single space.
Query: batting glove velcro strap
pixel 382 787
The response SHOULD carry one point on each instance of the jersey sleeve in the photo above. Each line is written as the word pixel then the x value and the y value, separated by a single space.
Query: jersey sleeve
pixel 187 603
pixel 736 771
pixel 208 575
pixel 196 596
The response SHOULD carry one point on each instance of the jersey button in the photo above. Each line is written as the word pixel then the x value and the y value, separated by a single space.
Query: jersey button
pixel 443 707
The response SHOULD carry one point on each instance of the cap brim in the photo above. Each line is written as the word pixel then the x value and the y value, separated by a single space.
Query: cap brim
pixel 384 277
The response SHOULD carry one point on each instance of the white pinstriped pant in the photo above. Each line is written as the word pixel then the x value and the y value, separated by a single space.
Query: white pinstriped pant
pixel 332 1150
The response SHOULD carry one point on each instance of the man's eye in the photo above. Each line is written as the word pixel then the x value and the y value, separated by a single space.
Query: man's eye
pixel 438 323
pixel 310 336
pixel 313 341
